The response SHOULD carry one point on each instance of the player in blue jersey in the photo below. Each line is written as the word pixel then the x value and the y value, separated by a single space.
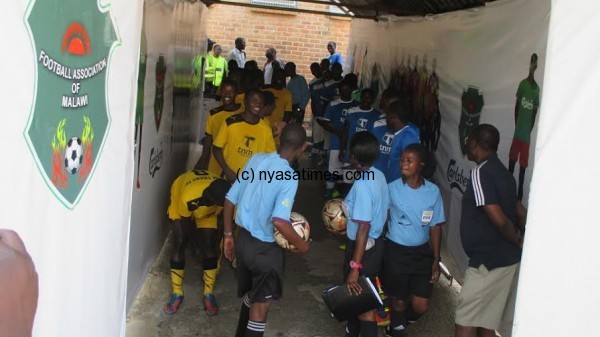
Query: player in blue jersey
pixel 382 132
pixel 261 207
pixel 333 122
pixel 412 249
pixel 405 133
pixel 360 118
pixel 367 205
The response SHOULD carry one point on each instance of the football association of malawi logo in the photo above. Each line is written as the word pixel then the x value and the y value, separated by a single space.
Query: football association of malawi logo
pixel 69 119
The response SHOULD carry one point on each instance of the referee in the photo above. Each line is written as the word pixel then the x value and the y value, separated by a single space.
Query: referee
pixel 261 207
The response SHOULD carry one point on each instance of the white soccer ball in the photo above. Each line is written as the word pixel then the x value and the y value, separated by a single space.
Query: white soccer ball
pixel 334 216
pixel 300 225
pixel 73 155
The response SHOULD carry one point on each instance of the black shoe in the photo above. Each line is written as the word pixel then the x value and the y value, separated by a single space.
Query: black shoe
pixel 389 332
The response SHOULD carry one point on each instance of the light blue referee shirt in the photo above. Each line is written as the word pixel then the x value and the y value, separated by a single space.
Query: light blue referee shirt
pixel 413 211
pixel 368 201
pixel 260 200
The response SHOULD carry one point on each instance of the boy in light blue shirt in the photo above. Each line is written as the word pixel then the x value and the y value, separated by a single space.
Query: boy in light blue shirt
pixel 264 195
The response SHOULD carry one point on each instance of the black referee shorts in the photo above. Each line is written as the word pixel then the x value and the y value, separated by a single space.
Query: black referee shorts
pixel 406 271
pixel 371 261
pixel 259 268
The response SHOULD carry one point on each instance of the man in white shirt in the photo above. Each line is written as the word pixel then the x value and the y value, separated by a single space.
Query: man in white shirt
pixel 272 61
pixel 238 54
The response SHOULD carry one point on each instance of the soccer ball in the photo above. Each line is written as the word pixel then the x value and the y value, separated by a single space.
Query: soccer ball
pixel 334 216
pixel 73 155
pixel 300 225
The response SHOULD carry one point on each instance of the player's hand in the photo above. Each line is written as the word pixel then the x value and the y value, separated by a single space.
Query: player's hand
pixel 277 128
pixel 303 248
pixel 229 247
pixel 352 282
pixel 435 272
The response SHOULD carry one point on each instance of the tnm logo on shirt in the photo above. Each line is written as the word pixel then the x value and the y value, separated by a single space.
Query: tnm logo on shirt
pixel 248 140
pixel 387 138
pixel 362 123
pixel 248 143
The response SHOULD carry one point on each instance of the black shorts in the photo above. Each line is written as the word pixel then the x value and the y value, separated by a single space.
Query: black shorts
pixel 259 268
pixel 371 261
pixel 406 271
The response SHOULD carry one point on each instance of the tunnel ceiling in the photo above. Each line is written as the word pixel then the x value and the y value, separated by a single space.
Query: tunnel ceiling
pixel 370 9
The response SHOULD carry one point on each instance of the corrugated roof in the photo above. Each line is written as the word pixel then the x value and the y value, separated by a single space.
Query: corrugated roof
pixel 365 8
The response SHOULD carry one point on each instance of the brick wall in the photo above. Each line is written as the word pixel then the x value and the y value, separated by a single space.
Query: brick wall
pixel 298 37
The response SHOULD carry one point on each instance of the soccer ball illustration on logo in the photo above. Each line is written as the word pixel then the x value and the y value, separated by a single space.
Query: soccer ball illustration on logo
pixel 300 225
pixel 334 216
pixel 73 155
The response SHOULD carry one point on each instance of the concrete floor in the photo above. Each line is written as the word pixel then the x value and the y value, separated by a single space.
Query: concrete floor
pixel 300 313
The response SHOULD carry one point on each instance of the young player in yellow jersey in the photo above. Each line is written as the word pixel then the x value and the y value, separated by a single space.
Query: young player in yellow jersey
pixel 242 136
pixel 214 122
pixel 283 99
pixel 200 195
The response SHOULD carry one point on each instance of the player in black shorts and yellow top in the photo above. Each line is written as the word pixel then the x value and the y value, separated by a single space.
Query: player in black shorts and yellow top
pixel 214 122
pixel 196 194
pixel 242 136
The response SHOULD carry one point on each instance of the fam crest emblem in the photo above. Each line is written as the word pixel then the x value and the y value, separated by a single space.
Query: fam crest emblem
pixel 69 118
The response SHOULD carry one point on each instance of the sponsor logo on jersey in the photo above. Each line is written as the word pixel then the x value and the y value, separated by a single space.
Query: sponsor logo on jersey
pixel 526 103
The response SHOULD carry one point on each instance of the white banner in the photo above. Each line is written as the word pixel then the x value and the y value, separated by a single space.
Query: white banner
pixel 458 70
pixel 68 101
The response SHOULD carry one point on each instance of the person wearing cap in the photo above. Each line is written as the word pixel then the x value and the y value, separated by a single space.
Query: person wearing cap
pixel 200 195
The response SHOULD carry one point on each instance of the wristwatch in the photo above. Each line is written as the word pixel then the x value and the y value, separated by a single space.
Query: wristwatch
pixel 355 265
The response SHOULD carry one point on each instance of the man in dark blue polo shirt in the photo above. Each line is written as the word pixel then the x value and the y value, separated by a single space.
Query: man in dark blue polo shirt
pixel 490 237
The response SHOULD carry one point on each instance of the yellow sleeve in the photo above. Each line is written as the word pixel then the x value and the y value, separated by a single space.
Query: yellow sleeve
pixel 173 210
pixel 222 136
pixel 209 125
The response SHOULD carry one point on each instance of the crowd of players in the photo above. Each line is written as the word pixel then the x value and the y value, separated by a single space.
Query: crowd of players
pixel 394 215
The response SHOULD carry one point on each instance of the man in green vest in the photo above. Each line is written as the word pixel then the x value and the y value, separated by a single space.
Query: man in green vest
pixel 216 67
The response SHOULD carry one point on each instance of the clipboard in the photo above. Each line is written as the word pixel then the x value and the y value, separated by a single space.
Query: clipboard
pixel 344 305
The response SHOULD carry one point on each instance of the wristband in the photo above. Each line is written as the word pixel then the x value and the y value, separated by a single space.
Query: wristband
pixel 437 258
pixel 228 233
pixel 355 265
